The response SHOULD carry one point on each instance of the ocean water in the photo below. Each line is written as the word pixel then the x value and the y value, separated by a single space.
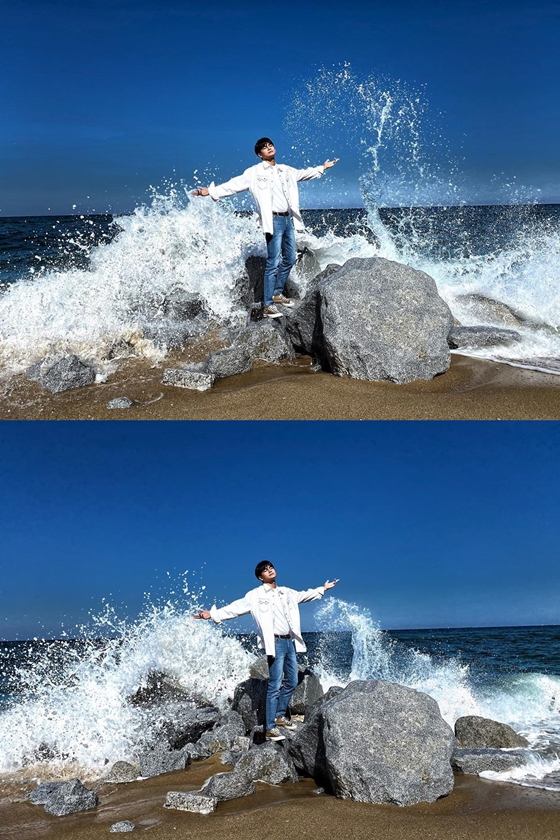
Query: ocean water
pixel 64 707
pixel 90 284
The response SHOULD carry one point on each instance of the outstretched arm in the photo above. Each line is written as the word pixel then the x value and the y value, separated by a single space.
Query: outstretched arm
pixel 315 594
pixel 315 171
pixel 233 610
pixel 235 185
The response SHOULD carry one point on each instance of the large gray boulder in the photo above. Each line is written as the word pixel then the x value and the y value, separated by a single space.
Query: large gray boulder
pixel 384 321
pixel 268 762
pixel 479 761
pixel 61 798
pixel 225 786
pixel 61 373
pixel 377 742
pixel 475 732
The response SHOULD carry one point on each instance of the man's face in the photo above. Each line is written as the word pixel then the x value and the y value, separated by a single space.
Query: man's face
pixel 268 575
pixel 267 152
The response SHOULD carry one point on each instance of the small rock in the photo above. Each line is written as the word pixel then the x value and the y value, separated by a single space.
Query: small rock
pixel 185 378
pixel 197 751
pixel 479 761
pixel 162 760
pixel 249 699
pixel 268 763
pixel 123 771
pixel 224 786
pixel 460 337
pixel 482 308
pixel 61 373
pixel 475 732
pixel 120 402
pixel 307 692
pixel 222 737
pixel 61 798
pixel 228 362
pixel 265 340
pixel 195 801
pixel 123 825
pixel 42 793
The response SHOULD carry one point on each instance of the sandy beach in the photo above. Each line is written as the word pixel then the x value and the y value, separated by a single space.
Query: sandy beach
pixel 472 389
pixel 476 810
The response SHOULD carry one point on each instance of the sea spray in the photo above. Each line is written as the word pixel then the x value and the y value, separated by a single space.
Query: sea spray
pixel 78 715
pixel 384 128
pixel 376 656
pixel 530 703
pixel 195 246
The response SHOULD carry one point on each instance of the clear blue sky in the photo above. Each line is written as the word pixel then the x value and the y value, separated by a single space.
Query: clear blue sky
pixel 426 524
pixel 101 99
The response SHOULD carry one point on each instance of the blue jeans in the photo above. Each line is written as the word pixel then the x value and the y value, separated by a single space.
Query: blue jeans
pixel 283 679
pixel 280 244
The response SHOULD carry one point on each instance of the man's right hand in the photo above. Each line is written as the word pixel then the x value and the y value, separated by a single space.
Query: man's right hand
pixel 202 614
pixel 200 191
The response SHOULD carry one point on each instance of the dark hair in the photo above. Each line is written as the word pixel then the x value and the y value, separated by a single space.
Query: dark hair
pixel 260 567
pixel 260 144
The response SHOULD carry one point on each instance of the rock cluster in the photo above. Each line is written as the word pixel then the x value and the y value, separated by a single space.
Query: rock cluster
pixel 371 318
pixel 372 741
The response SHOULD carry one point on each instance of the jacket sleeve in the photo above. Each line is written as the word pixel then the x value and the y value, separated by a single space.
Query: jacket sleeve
pixel 233 610
pixel 309 174
pixel 310 595
pixel 235 185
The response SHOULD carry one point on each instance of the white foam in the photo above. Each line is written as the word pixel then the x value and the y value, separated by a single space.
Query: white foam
pixel 83 713
pixel 197 246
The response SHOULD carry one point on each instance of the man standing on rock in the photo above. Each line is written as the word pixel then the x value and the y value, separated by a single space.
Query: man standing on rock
pixel 274 189
pixel 276 613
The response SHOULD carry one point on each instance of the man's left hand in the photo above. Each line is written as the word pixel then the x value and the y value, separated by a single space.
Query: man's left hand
pixel 328 163
pixel 330 583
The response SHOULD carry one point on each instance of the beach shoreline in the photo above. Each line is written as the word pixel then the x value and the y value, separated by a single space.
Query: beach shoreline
pixel 476 809
pixel 472 389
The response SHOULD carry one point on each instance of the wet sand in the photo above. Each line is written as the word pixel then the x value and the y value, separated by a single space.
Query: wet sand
pixel 472 389
pixel 476 810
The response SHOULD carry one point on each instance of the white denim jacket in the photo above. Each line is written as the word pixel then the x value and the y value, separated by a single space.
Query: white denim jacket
pixel 258 180
pixel 258 602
